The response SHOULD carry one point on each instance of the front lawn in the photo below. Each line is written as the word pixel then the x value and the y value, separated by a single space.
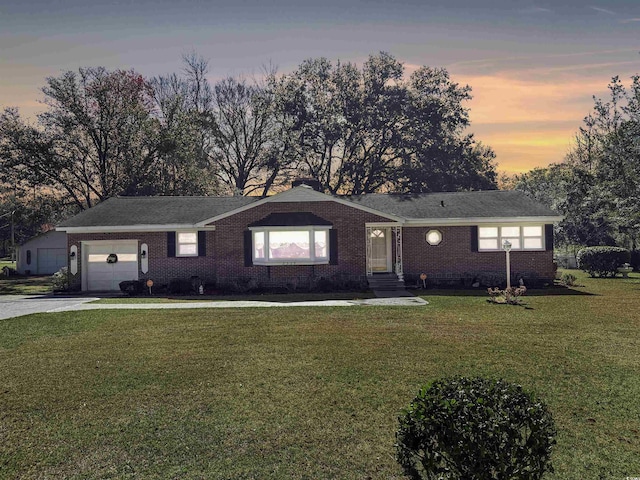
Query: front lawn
pixel 307 393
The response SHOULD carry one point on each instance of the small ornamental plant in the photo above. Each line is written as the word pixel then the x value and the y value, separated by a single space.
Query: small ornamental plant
pixel 510 295
pixel 475 429
pixel 60 280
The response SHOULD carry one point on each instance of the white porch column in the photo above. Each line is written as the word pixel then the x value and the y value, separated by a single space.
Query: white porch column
pixel 398 237
pixel 368 232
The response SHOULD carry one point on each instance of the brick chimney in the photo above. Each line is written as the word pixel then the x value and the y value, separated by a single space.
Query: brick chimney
pixel 310 182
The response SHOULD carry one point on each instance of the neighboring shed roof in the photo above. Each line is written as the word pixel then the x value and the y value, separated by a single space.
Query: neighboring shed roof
pixel 481 204
pixel 118 211
pixel 290 219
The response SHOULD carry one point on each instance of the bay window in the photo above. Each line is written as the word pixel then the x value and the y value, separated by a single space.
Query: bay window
pixel 521 237
pixel 292 245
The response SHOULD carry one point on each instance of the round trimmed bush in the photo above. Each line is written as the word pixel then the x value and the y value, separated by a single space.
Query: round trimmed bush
pixel 475 429
pixel 602 261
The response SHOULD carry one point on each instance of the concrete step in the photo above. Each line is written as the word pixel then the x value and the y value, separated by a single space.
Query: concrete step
pixel 386 282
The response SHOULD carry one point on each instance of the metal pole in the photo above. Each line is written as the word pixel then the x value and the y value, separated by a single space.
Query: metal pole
pixel 508 271
pixel 13 238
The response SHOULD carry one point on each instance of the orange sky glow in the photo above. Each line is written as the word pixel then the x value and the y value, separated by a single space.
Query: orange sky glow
pixel 533 69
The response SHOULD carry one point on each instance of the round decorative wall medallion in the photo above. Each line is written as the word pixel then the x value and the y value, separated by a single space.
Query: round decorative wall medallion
pixel 112 258
pixel 434 237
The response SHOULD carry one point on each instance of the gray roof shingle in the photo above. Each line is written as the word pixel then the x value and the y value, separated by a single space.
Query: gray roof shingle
pixel 117 211
pixel 478 204
pixel 130 211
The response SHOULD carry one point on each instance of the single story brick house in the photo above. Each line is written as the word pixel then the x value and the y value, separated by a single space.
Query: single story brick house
pixel 302 234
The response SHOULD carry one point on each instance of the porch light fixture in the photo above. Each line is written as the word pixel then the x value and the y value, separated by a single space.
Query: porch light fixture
pixel 143 254
pixel 506 246
pixel 72 255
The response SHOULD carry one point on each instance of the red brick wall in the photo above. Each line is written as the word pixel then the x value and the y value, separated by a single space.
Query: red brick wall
pixel 447 262
pixel 453 258
pixel 347 221
pixel 161 268
pixel 224 261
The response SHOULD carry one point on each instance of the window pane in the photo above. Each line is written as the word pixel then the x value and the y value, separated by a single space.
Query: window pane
pixel 535 231
pixel 515 242
pixel 320 239
pixel 510 232
pixel 487 232
pixel 488 244
pixel 187 249
pixel 293 244
pixel 258 244
pixel 532 243
pixel 187 237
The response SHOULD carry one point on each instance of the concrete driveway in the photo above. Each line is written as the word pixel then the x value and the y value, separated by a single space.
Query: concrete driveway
pixel 18 305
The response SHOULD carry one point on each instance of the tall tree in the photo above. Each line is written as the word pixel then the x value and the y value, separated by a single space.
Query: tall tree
pixel 243 136
pixel 183 107
pixel 597 187
pixel 94 141
pixel 366 130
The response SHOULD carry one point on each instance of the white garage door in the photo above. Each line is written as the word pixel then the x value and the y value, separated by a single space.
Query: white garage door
pixel 102 275
pixel 50 260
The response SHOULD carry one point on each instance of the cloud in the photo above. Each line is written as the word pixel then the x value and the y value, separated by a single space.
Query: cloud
pixel 534 10
pixel 603 10
pixel 630 20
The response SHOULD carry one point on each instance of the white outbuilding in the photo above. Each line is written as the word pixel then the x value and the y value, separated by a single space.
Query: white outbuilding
pixel 43 254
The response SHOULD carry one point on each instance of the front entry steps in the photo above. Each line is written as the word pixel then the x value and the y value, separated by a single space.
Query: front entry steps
pixel 385 282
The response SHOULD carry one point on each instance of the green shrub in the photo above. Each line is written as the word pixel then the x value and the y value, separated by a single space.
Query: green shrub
pixel 475 429
pixel 602 261
pixel 60 280
pixel 568 279
pixel 132 287
pixel 635 260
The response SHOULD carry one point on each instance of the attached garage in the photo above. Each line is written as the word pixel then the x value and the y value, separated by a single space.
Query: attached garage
pixel 108 263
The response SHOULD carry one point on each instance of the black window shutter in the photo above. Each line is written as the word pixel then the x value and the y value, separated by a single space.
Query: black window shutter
pixel 333 247
pixel 474 238
pixel 548 237
pixel 171 244
pixel 248 249
pixel 202 243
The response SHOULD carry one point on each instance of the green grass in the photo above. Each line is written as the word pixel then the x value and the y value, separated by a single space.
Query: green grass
pixel 25 285
pixel 307 393
pixel 280 298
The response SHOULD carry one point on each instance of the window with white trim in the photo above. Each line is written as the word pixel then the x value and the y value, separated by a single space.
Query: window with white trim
pixel 187 244
pixel 522 237
pixel 294 245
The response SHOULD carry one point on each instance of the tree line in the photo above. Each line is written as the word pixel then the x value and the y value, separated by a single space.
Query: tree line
pixel 356 129
pixel 597 186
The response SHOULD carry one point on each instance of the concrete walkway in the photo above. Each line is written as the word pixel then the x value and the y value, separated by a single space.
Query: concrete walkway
pixel 18 305
pixel 397 302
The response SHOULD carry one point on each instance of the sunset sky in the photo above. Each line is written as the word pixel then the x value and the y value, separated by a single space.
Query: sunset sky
pixel 533 66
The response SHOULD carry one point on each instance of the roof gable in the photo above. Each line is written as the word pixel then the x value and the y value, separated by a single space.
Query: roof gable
pixel 291 219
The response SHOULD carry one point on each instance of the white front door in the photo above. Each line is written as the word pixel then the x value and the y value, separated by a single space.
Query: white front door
pixel 381 250
pixel 106 264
